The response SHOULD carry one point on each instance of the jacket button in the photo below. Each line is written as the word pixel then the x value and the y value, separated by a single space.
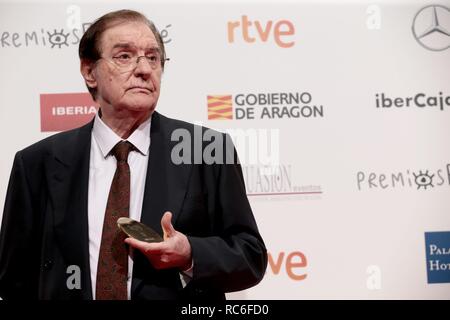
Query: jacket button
pixel 47 264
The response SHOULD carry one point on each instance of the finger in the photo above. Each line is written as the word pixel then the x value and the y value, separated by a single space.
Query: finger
pixel 145 247
pixel 167 226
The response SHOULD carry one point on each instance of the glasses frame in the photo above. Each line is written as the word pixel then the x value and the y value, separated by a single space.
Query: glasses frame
pixel 134 62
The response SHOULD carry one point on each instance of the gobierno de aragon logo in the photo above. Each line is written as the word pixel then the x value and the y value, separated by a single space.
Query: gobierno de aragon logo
pixel 264 105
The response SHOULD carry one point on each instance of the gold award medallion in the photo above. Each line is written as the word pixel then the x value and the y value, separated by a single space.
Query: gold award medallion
pixel 138 230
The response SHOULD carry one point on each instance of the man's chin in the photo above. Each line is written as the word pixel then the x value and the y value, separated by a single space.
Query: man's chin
pixel 139 104
pixel 140 107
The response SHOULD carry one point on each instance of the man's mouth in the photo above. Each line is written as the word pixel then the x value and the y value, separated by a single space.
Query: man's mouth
pixel 143 89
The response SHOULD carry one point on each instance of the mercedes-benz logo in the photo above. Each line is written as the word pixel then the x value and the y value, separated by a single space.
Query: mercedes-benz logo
pixel 431 27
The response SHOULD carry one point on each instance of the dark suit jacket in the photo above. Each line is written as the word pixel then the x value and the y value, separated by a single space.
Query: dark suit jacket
pixel 45 224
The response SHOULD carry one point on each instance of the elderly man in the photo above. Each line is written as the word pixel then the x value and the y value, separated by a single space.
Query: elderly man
pixel 66 193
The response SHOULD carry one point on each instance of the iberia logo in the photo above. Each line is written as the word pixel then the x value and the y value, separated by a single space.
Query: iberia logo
pixel 65 111
pixel 220 107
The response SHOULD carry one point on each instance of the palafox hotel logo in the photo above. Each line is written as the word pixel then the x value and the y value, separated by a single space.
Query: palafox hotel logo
pixel 437 248
pixel 65 111
pixel 418 179
pixel 260 106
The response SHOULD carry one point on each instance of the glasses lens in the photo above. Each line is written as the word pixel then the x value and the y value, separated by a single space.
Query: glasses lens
pixel 126 63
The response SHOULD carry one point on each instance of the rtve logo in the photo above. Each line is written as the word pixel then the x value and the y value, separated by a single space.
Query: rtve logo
pixel 293 264
pixel 253 31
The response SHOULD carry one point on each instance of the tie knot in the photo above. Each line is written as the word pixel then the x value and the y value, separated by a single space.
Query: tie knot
pixel 121 151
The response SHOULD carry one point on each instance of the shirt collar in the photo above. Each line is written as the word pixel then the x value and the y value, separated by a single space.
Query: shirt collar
pixel 107 138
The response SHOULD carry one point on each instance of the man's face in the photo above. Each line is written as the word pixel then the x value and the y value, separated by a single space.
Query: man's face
pixel 136 89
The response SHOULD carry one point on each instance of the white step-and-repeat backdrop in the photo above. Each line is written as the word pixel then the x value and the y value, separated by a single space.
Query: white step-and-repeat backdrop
pixel 339 110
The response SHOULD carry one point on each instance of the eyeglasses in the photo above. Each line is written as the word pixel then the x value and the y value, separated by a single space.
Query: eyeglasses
pixel 126 62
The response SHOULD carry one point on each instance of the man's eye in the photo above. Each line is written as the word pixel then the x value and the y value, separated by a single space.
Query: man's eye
pixel 124 57
pixel 152 58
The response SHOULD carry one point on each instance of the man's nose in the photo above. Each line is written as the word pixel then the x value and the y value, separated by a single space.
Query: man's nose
pixel 143 67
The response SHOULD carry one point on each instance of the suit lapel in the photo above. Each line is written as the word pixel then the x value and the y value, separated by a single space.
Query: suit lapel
pixel 166 183
pixel 68 171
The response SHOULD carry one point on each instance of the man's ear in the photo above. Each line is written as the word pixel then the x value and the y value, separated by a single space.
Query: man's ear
pixel 87 71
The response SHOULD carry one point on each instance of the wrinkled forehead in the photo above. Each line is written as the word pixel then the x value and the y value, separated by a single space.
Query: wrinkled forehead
pixel 133 34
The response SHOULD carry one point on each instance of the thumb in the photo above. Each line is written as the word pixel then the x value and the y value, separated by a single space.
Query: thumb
pixel 166 225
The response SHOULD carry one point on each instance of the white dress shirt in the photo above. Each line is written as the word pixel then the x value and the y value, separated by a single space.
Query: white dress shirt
pixel 102 167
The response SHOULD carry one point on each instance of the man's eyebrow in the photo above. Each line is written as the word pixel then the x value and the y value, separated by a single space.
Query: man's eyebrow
pixel 126 45
pixel 123 46
pixel 154 48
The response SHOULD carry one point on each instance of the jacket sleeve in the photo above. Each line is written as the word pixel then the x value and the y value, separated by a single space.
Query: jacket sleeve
pixel 235 258
pixel 18 242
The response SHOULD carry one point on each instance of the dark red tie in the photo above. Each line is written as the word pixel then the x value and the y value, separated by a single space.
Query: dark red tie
pixel 112 270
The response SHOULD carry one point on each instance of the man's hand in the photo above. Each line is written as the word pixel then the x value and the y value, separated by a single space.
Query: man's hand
pixel 173 252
